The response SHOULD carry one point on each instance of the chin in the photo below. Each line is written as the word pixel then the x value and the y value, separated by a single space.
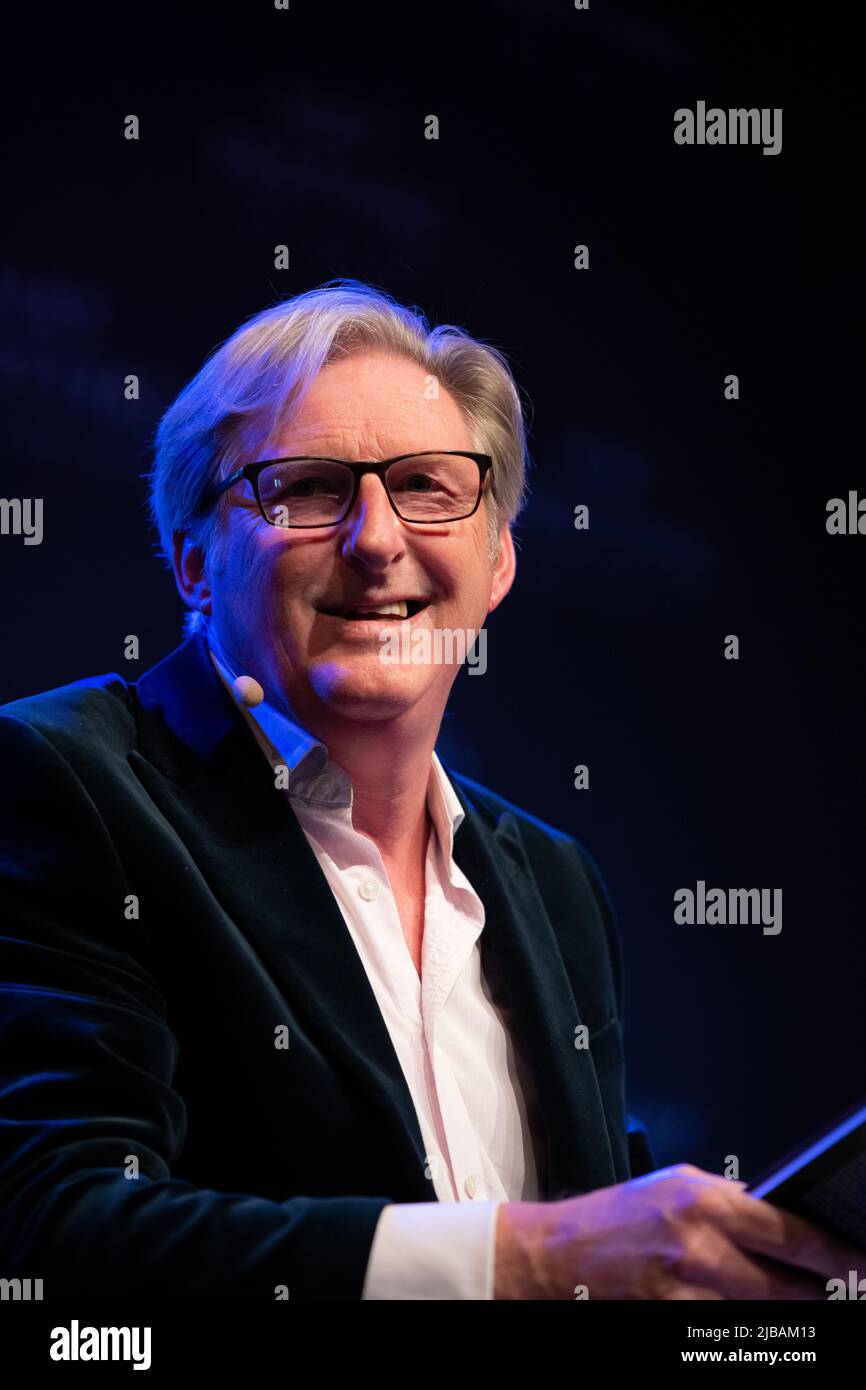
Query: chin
pixel 372 694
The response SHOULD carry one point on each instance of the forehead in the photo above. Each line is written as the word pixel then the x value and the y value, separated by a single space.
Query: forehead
pixel 374 404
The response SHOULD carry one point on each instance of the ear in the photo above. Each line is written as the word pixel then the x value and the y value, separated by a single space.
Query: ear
pixel 505 568
pixel 188 563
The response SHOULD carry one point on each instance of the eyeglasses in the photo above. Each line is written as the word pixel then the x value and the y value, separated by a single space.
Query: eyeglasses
pixel 303 491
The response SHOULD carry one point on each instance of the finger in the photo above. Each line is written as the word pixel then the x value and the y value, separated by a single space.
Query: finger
pixel 790 1283
pixel 687 1172
pixel 718 1263
pixel 758 1225
pixel 756 1277
pixel 695 1292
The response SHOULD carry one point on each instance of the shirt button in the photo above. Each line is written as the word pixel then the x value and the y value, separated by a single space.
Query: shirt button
pixel 470 1186
pixel 368 890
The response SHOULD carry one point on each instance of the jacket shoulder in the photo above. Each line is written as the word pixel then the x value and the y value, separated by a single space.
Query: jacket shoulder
pixel 493 806
pixel 546 846
pixel 95 711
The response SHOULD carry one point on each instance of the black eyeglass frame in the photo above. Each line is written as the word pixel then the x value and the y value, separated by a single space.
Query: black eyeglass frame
pixel 251 471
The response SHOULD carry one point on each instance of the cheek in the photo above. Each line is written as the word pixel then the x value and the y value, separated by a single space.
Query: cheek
pixel 292 573
pixel 248 574
pixel 259 558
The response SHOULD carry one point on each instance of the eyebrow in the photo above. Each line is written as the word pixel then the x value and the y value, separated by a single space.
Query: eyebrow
pixel 326 451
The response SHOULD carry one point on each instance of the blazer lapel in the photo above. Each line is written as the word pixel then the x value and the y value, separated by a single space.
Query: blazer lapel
pixel 544 1011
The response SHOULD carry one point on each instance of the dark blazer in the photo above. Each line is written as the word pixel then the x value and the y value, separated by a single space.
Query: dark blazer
pixel 152 1033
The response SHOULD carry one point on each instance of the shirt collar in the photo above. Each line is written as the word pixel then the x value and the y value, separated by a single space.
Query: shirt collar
pixel 313 777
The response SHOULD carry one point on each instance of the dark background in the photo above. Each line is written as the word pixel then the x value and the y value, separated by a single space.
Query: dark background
pixel 707 517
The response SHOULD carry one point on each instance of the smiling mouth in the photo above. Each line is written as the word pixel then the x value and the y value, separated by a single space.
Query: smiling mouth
pixel 395 612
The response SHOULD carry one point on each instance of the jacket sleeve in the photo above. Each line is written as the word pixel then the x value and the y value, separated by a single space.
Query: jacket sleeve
pixel 87 1059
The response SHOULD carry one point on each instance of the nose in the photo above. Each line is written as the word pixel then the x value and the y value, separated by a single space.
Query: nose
pixel 372 531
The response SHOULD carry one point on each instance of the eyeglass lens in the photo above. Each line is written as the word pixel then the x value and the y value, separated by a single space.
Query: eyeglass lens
pixel 424 487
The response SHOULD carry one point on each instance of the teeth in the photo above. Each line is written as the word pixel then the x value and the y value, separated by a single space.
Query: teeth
pixel 399 610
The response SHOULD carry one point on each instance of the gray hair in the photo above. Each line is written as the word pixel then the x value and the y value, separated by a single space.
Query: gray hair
pixel 251 386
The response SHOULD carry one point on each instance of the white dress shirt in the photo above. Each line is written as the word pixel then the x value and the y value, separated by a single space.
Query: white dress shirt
pixel 473 1097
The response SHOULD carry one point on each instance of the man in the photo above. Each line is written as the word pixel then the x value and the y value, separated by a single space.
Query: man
pixel 291 1008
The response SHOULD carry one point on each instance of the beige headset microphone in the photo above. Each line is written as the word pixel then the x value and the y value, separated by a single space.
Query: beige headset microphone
pixel 246 689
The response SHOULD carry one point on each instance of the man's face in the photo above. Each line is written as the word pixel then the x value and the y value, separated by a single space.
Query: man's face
pixel 268 599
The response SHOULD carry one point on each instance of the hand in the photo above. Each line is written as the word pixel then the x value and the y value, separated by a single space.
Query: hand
pixel 677 1233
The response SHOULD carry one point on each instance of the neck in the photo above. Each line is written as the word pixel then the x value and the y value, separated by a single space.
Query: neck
pixel 390 777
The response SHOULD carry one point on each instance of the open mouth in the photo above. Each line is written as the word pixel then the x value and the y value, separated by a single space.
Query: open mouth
pixel 387 612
